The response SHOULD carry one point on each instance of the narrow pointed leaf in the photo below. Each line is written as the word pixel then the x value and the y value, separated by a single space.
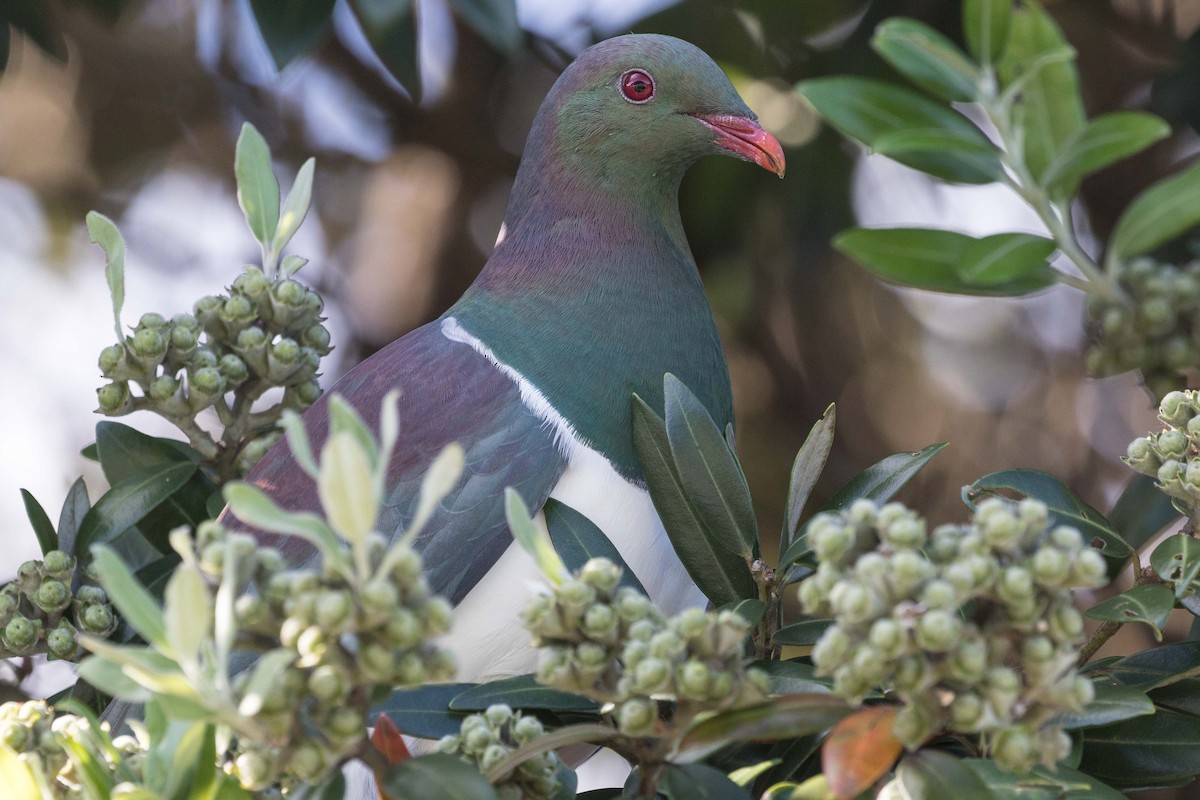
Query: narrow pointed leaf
pixel 933 773
pixel 1177 561
pixel 1002 258
pixel 74 509
pixel 927 58
pixel 291 264
pixel 806 470
pixel 925 258
pixel 1103 141
pixel 257 188
pixel 391 28
pixel 441 477
pixel 423 711
pixel 781 718
pixel 1152 668
pixel 348 492
pixel 127 503
pixel 985 27
pixel 102 231
pixel 709 471
pixel 577 539
pixel 134 603
pixel 958 149
pixel 297 439
pixel 295 208
pixel 1112 703
pixel 860 750
pixel 494 20
pixel 535 540
pixel 722 576
pixel 793 677
pixel 1150 603
pixel 1142 511
pixel 43 528
pixel 187 612
pixel 1157 215
pixel 865 109
pixel 291 30
pixel 386 738
pixel 252 507
pixel 522 691
pixel 802 634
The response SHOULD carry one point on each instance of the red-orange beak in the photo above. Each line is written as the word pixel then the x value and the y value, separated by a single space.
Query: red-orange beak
pixel 746 139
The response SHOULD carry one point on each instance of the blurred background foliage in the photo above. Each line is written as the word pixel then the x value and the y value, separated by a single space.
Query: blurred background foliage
pixel 417 111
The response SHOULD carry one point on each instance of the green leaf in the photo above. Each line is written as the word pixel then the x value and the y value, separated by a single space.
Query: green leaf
pixel 1003 258
pixel 985 27
pixel 1103 141
pixel 806 470
pixel 1061 783
pixel 1050 100
pixel 1142 511
pixel 350 497
pixel 1143 751
pixel 494 20
pixel 257 188
pixel 42 527
pixel 1111 704
pixel 291 28
pixel 793 677
pixel 134 603
pixel 1177 560
pixel 1065 507
pixel 577 539
pixel 74 509
pixel 391 29
pixel 723 577
pixel 522 692
pixel 15 776
pixel 263 677
pixel 1157 215
pixel 291 264
pixel 779 718
pixel 927 58
pixel 295 208
pixel 1157 666
pixel 127 503
pixel 698 782
pixel 253 507
pixel 187 613
pixel 929 774
pixel 424 711
pixel 333 787
pixel 102 231
pixel 100 671
pixel 924 258
pixel 960 150
pixel 1150 603
pixel 865 110
pixel 535 540
pixel 153 671
pixel 435 777
pixel 751 609
pixel 802 634
pixel 709 471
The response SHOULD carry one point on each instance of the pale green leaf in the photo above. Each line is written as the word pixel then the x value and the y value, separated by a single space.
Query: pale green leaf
pixel 295 208
pixel 130 598
pixel 297 439
pixel 103 231
pixel 441 477
pixel 188 612
pixel 806 469
pixel 263 678
pixel 532 537
pixel 257 188
pixel 348 491
pixel 251 506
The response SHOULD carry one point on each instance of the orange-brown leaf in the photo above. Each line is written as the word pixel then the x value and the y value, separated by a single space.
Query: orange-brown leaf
pixel 860 750
pixel 388 741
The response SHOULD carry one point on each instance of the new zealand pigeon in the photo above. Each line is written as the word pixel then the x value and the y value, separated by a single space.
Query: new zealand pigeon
pixel 590 296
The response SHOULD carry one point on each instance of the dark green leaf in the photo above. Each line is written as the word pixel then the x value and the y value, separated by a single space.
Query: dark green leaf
pixel 1181 696
pixel 74 509
pixel 391 28
pixel 723 577
pixel 1177 560
pixel 1143 751
pixel 1003 258
pixel 793 677
pixel 1141 511
pixel 1061 783
pixel 424 711
pixel 1050 100
pixel 577 539
pixel 709 472
pixel 865 109
pixel 699 782
pixel 985 27
pixel 927 58
pixel 1150 603
pixel 257 187
pixel 924 258
pixel 291 28
pixel 127 503
pixel 779 718
pixel 332 788
pixel 43 528
pixel 1065 507
pixel 960 150
pixel 519 692
pixel 1154 667
pixel 751 609
pixel 802 634
pixel 933 774
pixel 1104 140
pixel 91 453
pixel 1111 704
pixel 1157 215
pixel 435 777
pixel 494 20
pixel 806 469
pixel 881 481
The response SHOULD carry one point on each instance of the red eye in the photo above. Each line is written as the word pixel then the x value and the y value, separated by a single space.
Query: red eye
pixel 637 86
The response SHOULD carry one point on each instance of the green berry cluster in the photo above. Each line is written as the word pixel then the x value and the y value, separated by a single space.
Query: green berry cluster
pixel 346 640
pixel 973 626
pixel 487 739
pixel 41 613
pixel 1172 455
pixel 611 643
pixel 265 333
pixel 1156 331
